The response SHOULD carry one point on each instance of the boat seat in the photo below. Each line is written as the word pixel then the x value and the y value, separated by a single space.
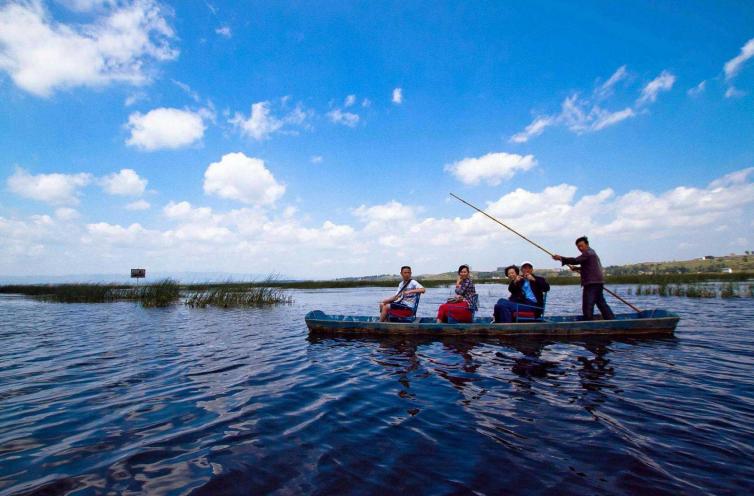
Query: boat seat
pixel 527 313
pixel 474 307
pixel 408 318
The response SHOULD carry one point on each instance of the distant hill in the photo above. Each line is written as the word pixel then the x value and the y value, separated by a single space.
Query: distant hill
pixel 703 265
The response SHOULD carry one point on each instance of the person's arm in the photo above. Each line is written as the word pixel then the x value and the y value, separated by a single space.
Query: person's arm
pixel 419 289
pixel 575 260
pixel 543 284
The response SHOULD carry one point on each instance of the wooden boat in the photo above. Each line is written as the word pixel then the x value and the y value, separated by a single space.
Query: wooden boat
pixel 646 322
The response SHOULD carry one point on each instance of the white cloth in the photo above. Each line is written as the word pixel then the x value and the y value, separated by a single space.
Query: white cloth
pixel 408 300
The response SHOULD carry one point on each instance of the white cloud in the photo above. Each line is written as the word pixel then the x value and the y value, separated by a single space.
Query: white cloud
pixel 366 102
pixel 138 205
pixel 733 66
pixel 337 116
pixel 492 168
pixel 66 214
pixel 316 159
pixel 165 128
pixel 389 212
pixel 56 189
pixel 224 31
pixel 242 178
pixel 586 114
pixel 349 101
pixel 262 123
pixel 630 227
pixel 733 92
pixel 605 119
pixel 698 89
pixel 126 182
pixel 536 128
pixel 606 89
pixel 663 82
pixel 187 89
pixel 397 96
pixel 42 55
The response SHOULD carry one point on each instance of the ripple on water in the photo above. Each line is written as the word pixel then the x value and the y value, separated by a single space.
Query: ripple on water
pixel 114 398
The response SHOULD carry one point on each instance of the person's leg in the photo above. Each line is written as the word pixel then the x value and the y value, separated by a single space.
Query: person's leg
pixel 587 302
pixel 383 312
pixel 459 312
pixel 504 311
pixel 604 308
pixel 442 313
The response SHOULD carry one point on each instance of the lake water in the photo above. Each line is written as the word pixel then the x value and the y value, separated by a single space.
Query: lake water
pixel 114 398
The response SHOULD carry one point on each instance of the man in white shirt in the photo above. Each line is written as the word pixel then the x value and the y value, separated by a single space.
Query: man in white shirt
pixel 402 303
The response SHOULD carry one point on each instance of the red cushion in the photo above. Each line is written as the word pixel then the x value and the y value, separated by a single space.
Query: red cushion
pixel 526 313
pixel 400 312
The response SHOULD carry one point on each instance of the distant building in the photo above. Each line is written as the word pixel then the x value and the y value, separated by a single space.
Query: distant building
pixel 727 270
pixel 708 257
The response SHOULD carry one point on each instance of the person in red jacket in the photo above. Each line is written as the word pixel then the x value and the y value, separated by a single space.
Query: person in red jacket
pixel 592 280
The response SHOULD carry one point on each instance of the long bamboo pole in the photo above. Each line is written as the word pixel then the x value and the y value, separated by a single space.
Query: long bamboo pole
pixel 635 309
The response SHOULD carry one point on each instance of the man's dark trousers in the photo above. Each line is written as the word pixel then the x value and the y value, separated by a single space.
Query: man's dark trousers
pixel 593 294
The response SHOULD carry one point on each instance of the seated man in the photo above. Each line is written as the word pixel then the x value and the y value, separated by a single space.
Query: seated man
pixel 527 293
pixel 401 304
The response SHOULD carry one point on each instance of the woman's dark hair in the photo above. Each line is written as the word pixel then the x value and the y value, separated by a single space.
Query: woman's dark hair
pixel 405 267
pixel 582 238
pixel 464 266
pixel 514 267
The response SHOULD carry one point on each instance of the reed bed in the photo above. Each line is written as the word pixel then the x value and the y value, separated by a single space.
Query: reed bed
pixel 727 290
pixel 159 294
pixel 229 296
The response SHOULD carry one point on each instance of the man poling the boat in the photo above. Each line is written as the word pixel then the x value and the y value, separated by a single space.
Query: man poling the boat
pixel 592 280
pixel 403 302
pixel 633 307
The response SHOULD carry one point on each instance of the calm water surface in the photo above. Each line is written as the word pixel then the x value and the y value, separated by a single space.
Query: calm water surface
pixel 114 398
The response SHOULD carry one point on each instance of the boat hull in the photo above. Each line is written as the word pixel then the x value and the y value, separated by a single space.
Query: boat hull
pixel 648 322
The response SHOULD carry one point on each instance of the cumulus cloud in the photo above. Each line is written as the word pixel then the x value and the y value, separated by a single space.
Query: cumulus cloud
pixel 262 122
pixel 492 168
pixel 397 96
pixel 338 116
pixel 663 82
pixel 164 128
pixel 66 214
pixel 55 189
pixel 242 178
pixel 349 101
pixel 625 227
pixel 138 205
pixel 42 55
pixel 586 114
pixel 126 182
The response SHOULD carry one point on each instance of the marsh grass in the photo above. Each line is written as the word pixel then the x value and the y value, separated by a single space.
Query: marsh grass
pixel 159 294
pixel 727 290
pixel 235 295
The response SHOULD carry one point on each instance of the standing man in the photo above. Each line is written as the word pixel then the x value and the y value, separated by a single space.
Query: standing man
pixel 592 280
pixel 402 303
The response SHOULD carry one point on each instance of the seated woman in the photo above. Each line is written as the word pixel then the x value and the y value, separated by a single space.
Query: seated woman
pixel 460 307
pixel 522 296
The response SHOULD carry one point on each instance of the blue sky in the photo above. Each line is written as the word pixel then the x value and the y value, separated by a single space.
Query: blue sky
pixel 322 140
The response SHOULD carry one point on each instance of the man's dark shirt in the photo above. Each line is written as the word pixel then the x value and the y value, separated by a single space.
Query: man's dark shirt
pixel 591 267
pixel 539 286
